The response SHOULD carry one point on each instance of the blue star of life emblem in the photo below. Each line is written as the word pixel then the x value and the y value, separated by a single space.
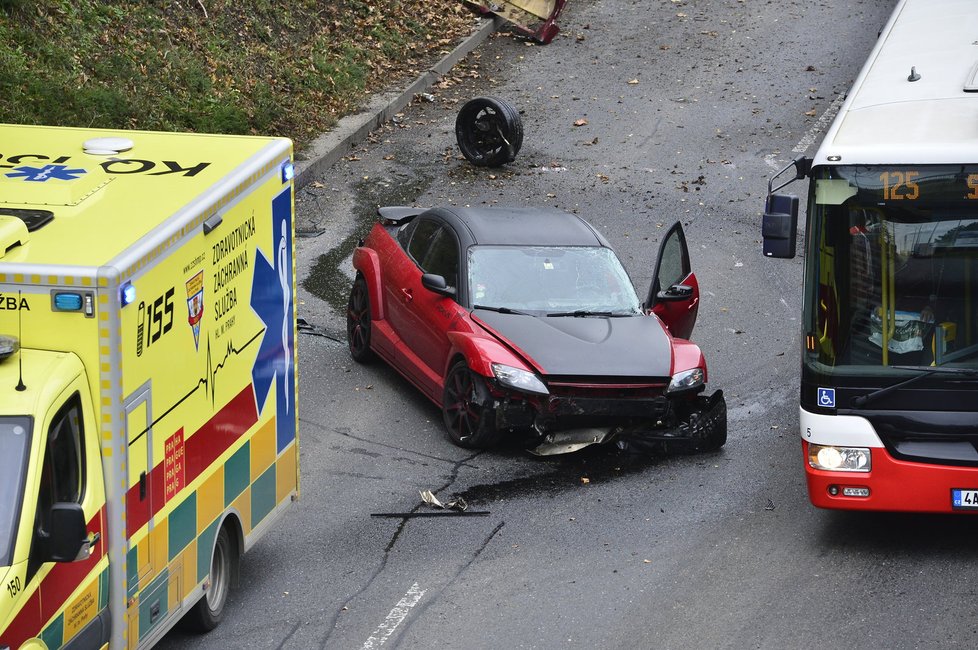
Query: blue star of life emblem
pixel 272 300
pixel 41 174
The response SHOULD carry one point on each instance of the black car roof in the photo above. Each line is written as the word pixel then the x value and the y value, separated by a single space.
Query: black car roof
pixel 523 226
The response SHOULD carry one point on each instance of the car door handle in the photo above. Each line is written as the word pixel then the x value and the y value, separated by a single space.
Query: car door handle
pixel 407 294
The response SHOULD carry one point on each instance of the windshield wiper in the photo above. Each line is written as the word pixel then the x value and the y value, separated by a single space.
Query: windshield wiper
pixel 501 310
pixel 927 371
pixel 581 313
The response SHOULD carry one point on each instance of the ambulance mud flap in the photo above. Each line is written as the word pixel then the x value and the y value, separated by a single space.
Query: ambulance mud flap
pixel 705 429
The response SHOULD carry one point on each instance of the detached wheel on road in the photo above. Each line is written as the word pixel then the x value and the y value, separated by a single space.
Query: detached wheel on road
pixel 467 409
pixel 209 610
pixel 489 131
pixel 358 321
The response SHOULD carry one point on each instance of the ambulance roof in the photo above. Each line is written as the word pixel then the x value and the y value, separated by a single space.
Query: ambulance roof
pixel 889 119
pixel 126 188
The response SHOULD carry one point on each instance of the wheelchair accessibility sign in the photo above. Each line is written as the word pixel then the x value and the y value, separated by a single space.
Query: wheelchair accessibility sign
pixel 826 398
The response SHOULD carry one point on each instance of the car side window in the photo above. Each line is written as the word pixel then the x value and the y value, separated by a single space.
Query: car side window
pixel 62 472
pixel 404 233
pixel 424 232
pixel 672 267
pixel 442 258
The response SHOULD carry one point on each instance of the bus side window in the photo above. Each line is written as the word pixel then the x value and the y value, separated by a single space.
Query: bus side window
pixel 62 474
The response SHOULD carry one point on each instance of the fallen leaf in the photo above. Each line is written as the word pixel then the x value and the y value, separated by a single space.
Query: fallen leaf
pixel 580 122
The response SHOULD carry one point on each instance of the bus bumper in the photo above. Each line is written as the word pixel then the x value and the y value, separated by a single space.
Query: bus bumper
pixel 893 485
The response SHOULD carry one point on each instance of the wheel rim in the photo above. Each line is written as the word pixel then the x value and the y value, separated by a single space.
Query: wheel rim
pixel 485 132
pixel 218 591
pixel 358 320
pixel 464 415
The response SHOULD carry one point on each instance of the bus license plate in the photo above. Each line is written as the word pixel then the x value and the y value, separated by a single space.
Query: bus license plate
pixel 964 499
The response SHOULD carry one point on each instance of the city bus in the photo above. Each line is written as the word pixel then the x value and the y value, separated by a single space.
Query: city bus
pixel 889 345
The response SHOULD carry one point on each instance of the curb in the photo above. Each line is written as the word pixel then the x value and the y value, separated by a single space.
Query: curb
pixel 328 148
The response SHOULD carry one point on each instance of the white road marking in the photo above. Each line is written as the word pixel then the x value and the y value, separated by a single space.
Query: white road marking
pixel 395 618
pixel 813 134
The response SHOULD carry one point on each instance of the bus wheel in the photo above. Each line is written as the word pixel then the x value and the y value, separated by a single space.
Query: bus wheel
pixel 209 610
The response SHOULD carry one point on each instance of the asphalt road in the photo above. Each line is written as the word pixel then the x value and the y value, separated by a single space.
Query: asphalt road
pixel 689 107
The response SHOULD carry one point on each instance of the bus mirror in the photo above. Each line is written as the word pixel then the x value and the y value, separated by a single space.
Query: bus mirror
pixel 780 226
pixel 68 535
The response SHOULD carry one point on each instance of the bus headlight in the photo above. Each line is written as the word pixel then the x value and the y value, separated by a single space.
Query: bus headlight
pixel 519 379
pixel 840 459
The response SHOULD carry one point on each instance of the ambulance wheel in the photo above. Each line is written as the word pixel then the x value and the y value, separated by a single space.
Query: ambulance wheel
pixel 467 409
pixel 358 321
pixel 489 131
pixel 209 610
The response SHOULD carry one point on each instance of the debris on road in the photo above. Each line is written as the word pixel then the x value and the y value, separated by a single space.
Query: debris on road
pixel 536 18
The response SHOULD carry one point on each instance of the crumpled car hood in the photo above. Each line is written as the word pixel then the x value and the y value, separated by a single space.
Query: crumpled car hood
pixel 630 346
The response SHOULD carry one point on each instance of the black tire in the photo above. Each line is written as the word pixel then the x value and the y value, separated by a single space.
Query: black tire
pixel 209 610
pixel 489 131
pixel 467 409
pixel 358 321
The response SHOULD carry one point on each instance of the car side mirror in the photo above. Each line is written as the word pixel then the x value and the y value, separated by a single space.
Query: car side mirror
pixel 436 284
pixel 779 227
pixel 68 535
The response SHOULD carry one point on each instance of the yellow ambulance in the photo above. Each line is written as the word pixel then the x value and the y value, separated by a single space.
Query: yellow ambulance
pixel 148 428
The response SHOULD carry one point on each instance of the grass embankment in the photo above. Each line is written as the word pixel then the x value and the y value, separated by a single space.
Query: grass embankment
pixel 222 66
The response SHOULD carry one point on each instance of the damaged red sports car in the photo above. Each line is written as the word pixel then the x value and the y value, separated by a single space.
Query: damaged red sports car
pixel 522 321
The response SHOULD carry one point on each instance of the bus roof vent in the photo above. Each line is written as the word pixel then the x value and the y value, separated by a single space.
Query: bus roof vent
pixel 971 82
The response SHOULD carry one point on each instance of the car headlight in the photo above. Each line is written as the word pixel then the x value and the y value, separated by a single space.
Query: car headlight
pixel 840 459
pixel 686 380
pixel 519 379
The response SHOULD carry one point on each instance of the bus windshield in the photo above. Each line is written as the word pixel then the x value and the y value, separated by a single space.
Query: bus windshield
pixel 15 441
pixel 892 269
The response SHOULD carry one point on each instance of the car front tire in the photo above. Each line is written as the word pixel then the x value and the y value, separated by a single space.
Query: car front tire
pixel 358 321
pixel 468 410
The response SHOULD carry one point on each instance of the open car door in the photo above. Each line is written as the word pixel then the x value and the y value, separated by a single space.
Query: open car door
pixel 674 295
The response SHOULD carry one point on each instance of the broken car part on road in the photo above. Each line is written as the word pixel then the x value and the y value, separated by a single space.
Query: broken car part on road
pixel 536 18
pixel 489 131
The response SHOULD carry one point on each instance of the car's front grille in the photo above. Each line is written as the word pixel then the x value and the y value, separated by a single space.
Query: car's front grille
pixel 616 388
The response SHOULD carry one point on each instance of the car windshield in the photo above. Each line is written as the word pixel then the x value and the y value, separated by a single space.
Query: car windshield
pixel 15 441
pixel 892 281
pixel 547 279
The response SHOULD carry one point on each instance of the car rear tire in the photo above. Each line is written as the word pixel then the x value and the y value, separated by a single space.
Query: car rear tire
pixel 489 131
pixel 467 409
pixel 209 610
pixel 358 321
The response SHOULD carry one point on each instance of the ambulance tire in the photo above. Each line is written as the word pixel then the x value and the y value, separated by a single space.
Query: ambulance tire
pixel 489 131
pixel 358 321
pixel 209 610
